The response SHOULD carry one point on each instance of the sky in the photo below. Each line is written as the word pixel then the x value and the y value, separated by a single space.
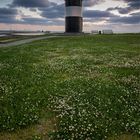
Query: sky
pixel 49 15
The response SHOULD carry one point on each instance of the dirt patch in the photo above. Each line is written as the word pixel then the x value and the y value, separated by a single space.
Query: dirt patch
pixel 41 130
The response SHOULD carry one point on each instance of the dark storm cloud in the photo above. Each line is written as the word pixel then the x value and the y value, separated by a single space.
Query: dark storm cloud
pixel 132 6
pixel 133 19
pixel 34 21
pixel 120 10
pixel 41 21
pixel 32 3
pixel 133 3
pixel 33 9
pixel 89 3
pixel 49 11
pixel 47 3
pixel 135 14
pixel 53 13
pixel 37 21
pixel 7 15
pixel 56 11
pixel 94 16
pixel 97 14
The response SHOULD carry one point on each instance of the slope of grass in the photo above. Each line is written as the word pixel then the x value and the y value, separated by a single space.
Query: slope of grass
pixel 90 84
pixel 13 38
pixel 7 39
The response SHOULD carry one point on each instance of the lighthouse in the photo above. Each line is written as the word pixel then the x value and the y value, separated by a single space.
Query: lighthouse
pixel 73 19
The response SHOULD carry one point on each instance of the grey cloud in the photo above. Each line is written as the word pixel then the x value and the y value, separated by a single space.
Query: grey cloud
pixel 7 15
pixel 33 9
pixel 51 12
pixel 121 10
pixel 37 21
pixel 132 3
pixel 132 6
pixel 47 3
pixel 135 14
pixel 135 19
pixel 97 16
pixel 89 3
pixel 56 11
pixel 32 3
pixel 97 13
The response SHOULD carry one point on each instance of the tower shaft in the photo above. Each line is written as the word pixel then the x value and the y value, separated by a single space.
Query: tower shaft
pixel 73 19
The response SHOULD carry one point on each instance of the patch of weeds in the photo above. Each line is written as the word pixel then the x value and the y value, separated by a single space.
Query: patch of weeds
pixel 91 83
pixel 36 137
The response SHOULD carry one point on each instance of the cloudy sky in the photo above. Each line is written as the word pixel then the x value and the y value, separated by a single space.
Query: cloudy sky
pixel 119 15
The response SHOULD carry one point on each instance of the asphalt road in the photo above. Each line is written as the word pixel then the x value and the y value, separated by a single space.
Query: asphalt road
pixel 24 41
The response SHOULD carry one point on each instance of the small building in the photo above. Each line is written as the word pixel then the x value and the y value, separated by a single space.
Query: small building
pixel 107 32
pixel 48 32
pixel 94 32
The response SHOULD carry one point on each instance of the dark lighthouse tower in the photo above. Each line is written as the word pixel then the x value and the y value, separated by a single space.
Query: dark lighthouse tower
pixel 73 19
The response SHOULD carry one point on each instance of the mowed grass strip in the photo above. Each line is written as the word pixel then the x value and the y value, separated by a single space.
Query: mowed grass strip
pixel 88 84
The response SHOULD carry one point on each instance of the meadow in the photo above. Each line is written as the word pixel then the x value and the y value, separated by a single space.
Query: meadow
pixel 71 88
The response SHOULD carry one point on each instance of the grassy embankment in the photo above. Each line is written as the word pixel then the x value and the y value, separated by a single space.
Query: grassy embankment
pixel 88 86
pixel 8 39
pixel 13 38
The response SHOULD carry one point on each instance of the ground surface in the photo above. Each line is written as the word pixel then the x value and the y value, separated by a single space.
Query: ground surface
pixel 10 38
pixel 21 40
pixel 84 87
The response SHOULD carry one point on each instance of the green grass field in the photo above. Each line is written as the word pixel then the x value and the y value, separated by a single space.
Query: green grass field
pixel 8 39
pixel 71 88
pixel 13 38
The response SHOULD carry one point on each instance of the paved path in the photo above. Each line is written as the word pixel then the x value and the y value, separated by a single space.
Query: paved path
pixel 24 41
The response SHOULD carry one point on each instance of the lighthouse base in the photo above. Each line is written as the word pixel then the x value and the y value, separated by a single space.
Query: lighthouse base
pixel 73 24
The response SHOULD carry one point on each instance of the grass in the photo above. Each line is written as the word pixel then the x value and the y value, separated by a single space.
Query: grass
pixel 13 38
pixel 84 87
pixel 7 39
